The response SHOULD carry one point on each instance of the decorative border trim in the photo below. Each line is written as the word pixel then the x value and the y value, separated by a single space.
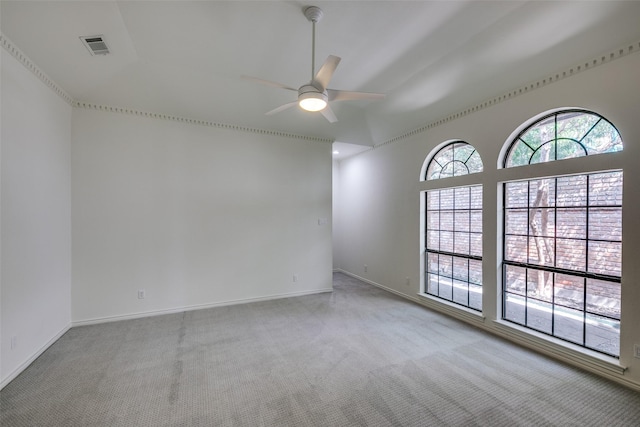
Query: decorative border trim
pixel 152 313
pixel 560 75
pixel 33 357
pixel 133 112
pixel 13 50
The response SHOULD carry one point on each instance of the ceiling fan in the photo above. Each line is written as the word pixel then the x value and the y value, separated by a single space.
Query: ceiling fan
pixel 315 96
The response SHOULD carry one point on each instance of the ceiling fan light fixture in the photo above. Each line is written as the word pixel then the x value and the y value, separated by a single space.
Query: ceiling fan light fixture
pixel 312 102
pixel 311 99
pixel 314 96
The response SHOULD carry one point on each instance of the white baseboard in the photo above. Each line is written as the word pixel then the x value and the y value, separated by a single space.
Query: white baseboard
pixel 94 321
pixel 596 364
pixel 376 284
pixel 604 366
pixel 106 319
pixel 458 312
pixel 33 357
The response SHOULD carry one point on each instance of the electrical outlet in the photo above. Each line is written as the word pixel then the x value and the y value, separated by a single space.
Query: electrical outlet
pixel 636 351
pixel 407 281
pixel 295 278
pixel 14 342
pixel 142 294
pixel 366 267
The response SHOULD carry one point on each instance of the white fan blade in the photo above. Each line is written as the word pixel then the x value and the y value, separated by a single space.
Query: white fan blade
pixel 281 108
pixel 328 114
pixel 268 83
pixel 323 77
pixel 344 95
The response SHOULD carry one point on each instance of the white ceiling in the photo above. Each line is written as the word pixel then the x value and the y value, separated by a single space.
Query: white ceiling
pixel 342 150
pixel 431 58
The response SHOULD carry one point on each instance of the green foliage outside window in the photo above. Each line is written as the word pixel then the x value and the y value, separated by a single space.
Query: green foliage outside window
pixel 455 159
pixel 562 252
pixel 563 136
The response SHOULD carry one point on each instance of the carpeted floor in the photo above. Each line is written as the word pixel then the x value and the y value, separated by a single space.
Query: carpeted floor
pixel 356 357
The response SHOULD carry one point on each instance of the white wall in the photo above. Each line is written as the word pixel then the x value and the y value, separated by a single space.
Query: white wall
pixel 35 284
pixel 335 179
pixel 380 192
pixel 194 215
pixel 200 216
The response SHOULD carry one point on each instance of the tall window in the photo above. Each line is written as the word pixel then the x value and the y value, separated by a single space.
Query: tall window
pixel 453 241
pixel 562 250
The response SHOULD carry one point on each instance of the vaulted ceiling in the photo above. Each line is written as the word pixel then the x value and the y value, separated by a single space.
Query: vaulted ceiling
pixel 431 58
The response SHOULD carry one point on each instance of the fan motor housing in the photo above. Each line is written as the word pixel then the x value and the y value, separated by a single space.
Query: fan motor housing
pixel 308 89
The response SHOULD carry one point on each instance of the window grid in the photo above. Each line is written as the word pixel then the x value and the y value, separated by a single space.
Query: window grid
pixel 581 133
pixel 599 329
pixel 442 281
pixel 454 159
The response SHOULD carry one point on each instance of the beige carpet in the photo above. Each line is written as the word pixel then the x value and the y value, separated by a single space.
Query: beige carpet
pixel 356 357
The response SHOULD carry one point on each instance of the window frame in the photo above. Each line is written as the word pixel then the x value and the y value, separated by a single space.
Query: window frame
pixel 452 144
pixel 540 119
pixel 467 257
pixel 529 173
pixel 439 187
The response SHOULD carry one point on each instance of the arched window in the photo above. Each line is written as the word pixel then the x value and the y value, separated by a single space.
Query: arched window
pixel 562 250
pixel 563 135
pixel 453 225
pixel 454 159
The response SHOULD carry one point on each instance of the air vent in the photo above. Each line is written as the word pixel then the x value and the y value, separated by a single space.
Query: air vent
pixel 96 45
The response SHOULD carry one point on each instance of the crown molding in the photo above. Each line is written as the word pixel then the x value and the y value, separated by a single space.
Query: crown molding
pixel 14 51
pixel 537 84
pixel 610 56
pixel 159 116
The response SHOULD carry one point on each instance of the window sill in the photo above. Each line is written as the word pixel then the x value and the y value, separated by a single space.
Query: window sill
pixel 559 349
pixel 452 309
